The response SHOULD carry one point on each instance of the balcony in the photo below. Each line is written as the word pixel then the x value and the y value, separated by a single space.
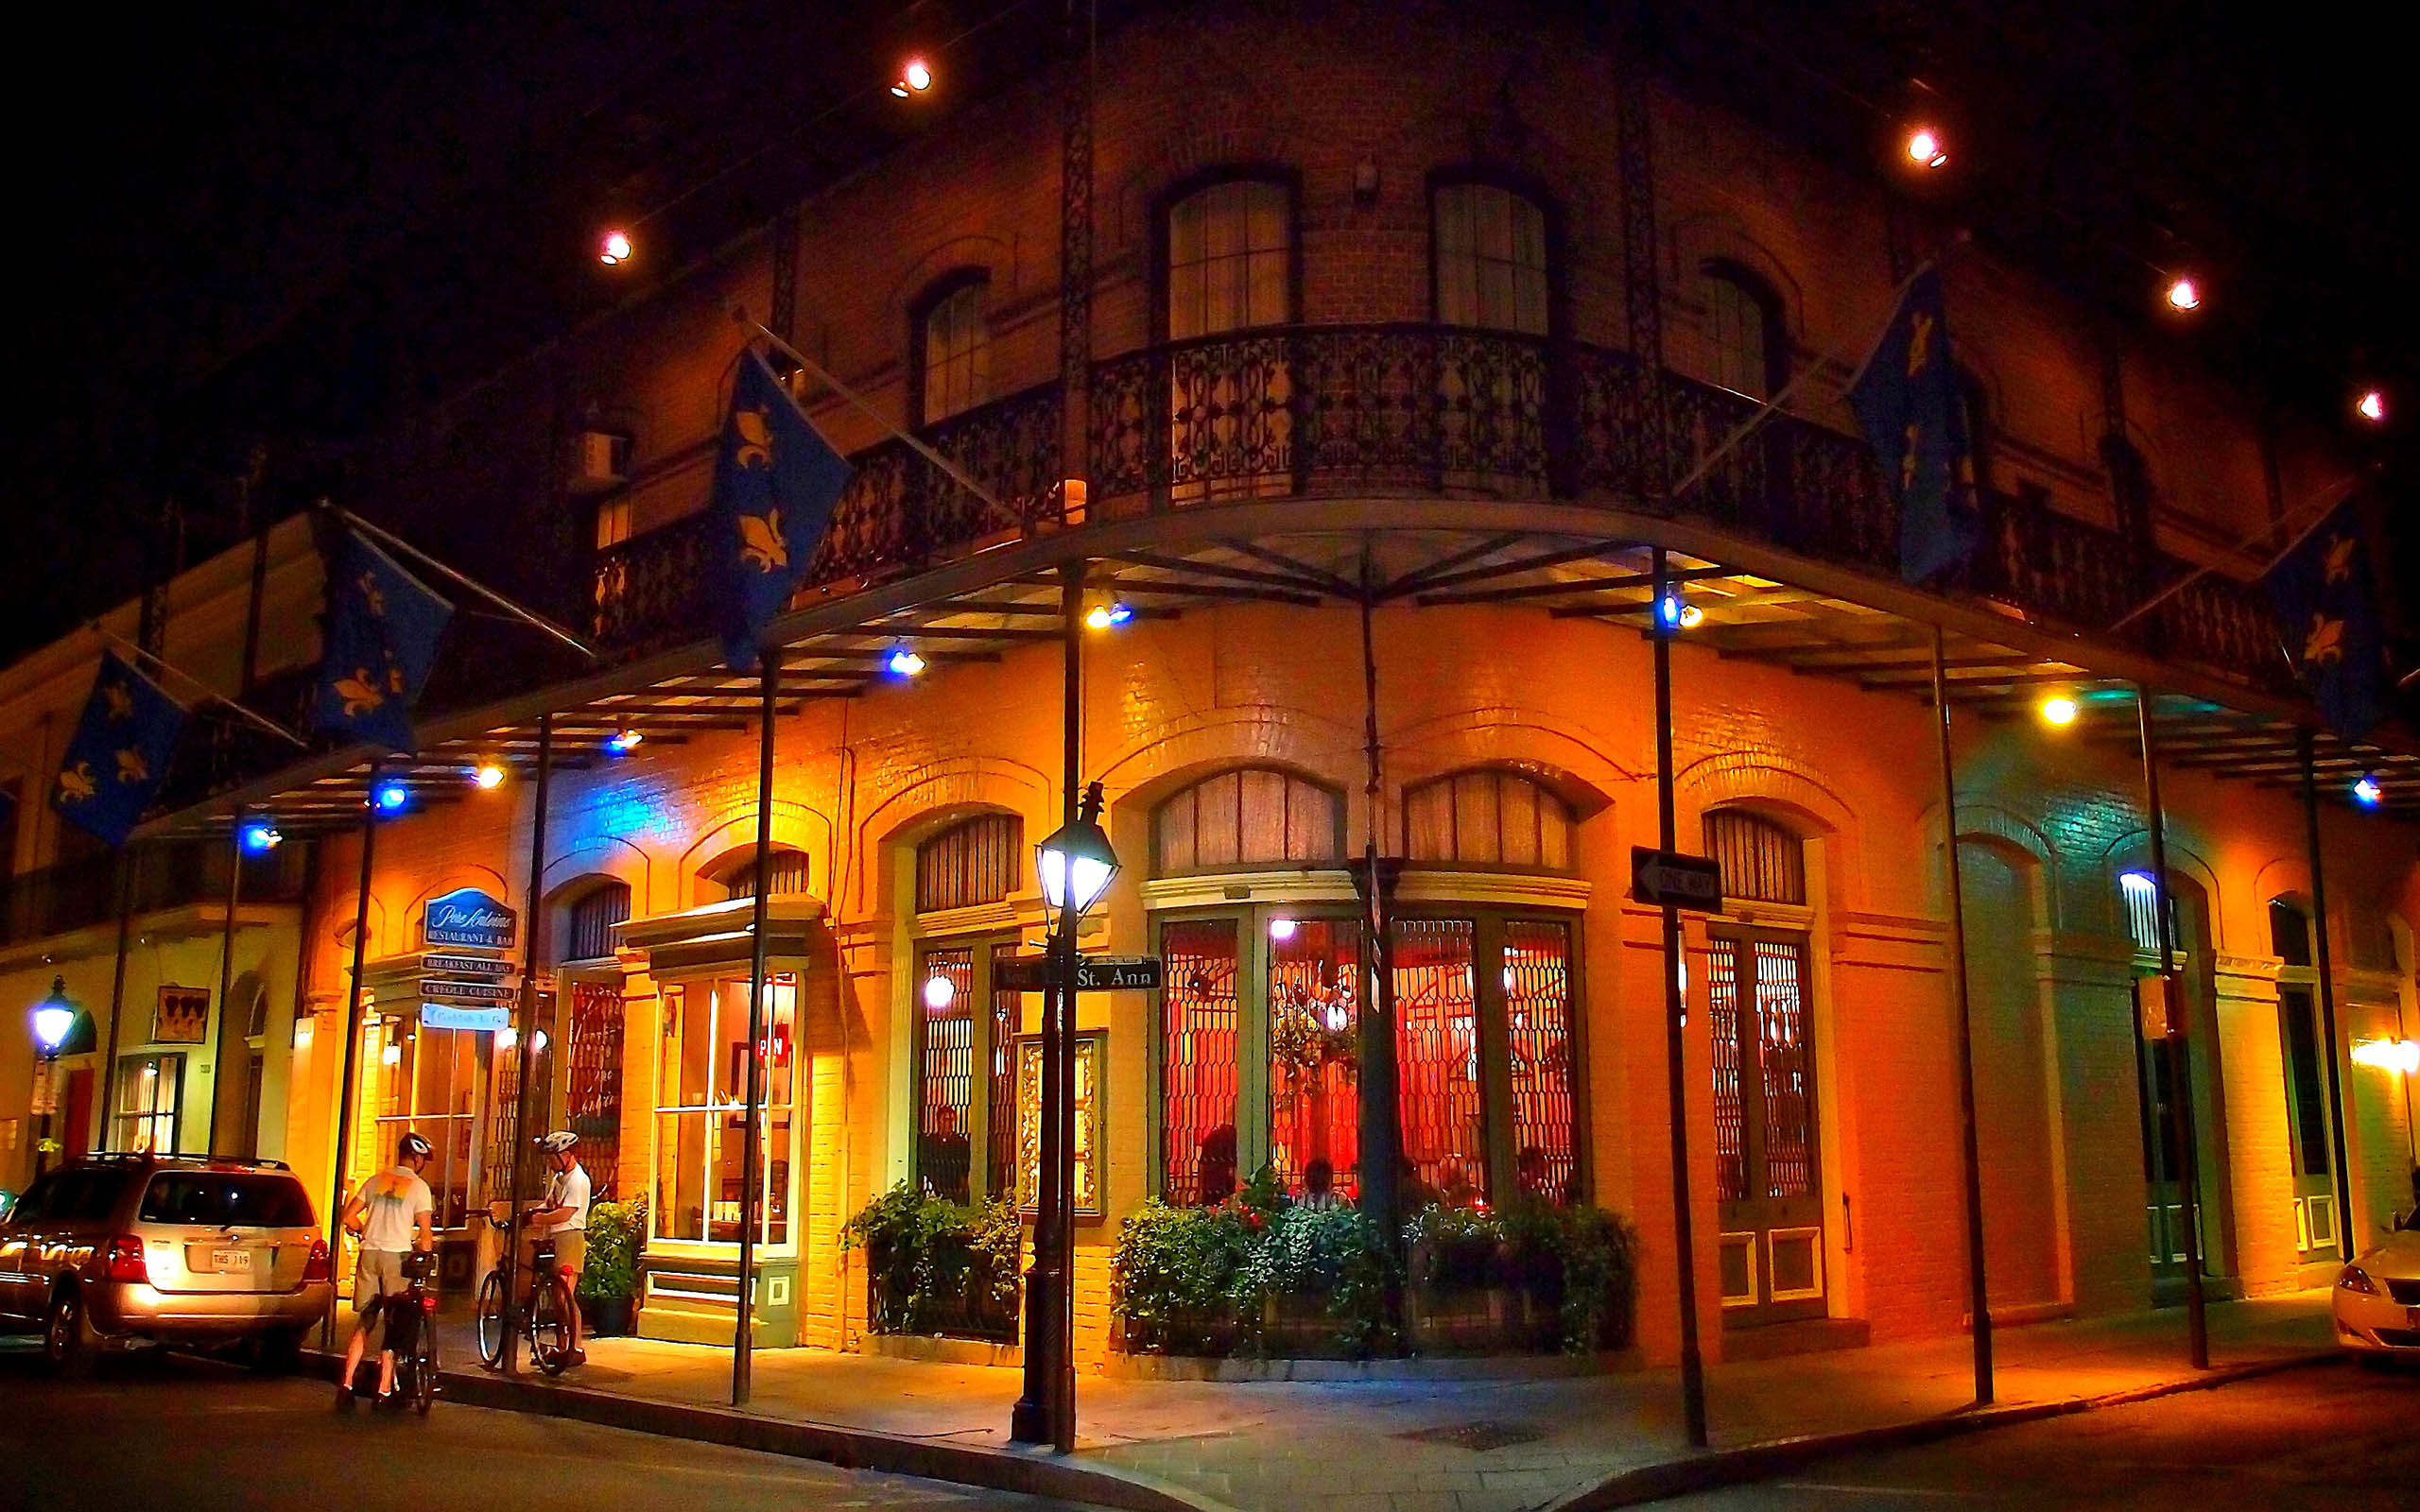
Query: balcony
pixel 80 894
pixel 1313 412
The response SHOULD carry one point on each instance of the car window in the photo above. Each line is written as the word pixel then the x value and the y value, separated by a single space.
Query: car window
pixel 31 1207
pixel 94 1198
pixel 236 1199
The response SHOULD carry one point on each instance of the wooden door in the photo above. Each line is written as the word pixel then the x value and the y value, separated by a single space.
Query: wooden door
pixel 1768 1175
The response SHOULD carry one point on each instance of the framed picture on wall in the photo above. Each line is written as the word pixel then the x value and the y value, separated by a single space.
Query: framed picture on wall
pixel 182 1016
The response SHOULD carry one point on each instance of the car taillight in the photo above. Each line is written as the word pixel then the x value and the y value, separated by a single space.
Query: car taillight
pixel 125 1260
pixel 316 1268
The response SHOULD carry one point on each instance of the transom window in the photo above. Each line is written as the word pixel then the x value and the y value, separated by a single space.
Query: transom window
pixel 785 875
pixel 1489 817
pixel 1248 817
pixel 1741 326
pixel 955 348
pixel 1231 252
pixel 592 918
pixel 1762 862
pixel 974 861
pixel 1491 250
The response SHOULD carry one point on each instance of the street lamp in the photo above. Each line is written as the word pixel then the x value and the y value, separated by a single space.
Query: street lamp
pixel 54 1021
pixel 1075 866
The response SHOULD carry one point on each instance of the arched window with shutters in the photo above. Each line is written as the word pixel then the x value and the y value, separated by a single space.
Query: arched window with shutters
pixel 785 876
pixel 588 924
pixel 974 861
pixel 1761 861
pixel 1248 817
pixel 1745 331
pixel 1491 245
pixel 1488 817
pixel 950 347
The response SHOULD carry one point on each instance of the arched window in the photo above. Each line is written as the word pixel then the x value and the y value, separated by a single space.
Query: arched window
pixel 1251 816
pixel 2141 897
pixel 1488 817
pixel 1491 248
pixel 589 923
pixel 952 347
pixel 1761 861
pixel 974 861
pixel 1743 327
pixel 1230 257
pixel 785 875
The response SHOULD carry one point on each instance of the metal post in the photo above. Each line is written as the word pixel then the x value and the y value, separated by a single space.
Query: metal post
pixel 352 1046
pixel 1977 1295
pixel 743 1337
pixel 128 860
pixel 507 1359
pixel 2197 1321
pixel 1381 1123
pixel 2327 999
pixel 226 977
pixel 1683 1230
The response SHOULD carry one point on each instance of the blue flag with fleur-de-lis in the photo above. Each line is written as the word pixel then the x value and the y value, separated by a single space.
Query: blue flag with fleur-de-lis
pixel 1908 403
pixel 114 765
pixel 2328 615
pixel 383 625
pixel 776 479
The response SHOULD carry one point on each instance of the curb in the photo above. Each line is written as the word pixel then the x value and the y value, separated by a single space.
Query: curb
pixel 1718 1469
pixel 1039 1472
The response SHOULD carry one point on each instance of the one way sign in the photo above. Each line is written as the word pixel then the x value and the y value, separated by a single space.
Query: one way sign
pixel 1661 877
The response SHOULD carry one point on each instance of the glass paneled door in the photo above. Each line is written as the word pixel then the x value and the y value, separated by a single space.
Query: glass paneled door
pixel 701 1130
pixel 1768 1176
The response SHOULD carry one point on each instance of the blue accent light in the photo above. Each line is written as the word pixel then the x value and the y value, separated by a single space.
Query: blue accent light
pixel 258 837
pixel 905 662
pixel 2368 793
pixel 391 796
pixel 623 741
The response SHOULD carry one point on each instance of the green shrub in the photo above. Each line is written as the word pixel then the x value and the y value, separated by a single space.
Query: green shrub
pixel 1172 1276
pixel 1333 1253
pixel 616 1232
pixel 1583 1261
pixel 935 1266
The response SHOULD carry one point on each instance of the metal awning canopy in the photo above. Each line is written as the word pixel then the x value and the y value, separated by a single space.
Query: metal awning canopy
pixel 1756 603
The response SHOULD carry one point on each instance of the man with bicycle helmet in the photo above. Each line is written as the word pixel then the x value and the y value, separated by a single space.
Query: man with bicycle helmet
pixel 393 1212
pixel 561 1216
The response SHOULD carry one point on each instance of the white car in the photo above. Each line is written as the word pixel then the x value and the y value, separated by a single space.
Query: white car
pixel 2377 1296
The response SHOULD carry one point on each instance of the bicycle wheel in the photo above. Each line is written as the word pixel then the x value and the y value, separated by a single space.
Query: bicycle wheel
pixel 550 1325
pixel 425 1370
pixel 492 1319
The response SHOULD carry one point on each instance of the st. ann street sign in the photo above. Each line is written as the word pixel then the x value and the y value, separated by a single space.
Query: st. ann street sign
pixel 1661 877
pixel 1094 973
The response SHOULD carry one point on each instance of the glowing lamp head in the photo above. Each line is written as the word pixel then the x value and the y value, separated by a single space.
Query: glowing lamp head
pixel 392 1055
pixel 623 741
pixel 2368 792
pixel 507 1037
pixel 905 662
pixel 2370 406
pixel 54 1020
pixel 939 993
pixel 2184 294
pixel 615 248
pixel 2059 710
pixel 490 776
pixel 2399 1056
pixel 391 797
pixel 1075 863
pixel 1925 149
pixel 537 1041
pixel 258 837
pixel 918 75
pixel 1281 930
pixel 1110 615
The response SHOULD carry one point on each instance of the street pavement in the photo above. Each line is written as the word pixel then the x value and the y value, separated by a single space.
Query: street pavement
pixel 2330 1439
pixel 191 1434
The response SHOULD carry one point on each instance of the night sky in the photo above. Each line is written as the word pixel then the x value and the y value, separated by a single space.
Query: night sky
pixel 282 223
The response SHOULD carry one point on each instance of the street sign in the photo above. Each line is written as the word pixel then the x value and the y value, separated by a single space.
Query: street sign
pixel 1094 973
pixel 484 1020
pixel 438 964
pixel 1661 877
pixel 444 990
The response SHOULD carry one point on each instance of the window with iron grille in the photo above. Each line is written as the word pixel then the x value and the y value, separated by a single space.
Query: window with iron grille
pixel 1487 817
pixel 1248 817
pixel 593 916
pixel 786 874
pixel 1762 862
pixel 974 861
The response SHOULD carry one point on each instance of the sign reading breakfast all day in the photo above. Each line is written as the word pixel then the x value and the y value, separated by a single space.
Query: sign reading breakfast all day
pixel 467 916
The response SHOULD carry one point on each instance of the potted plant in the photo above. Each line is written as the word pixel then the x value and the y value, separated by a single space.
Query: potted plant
pixel 608 1284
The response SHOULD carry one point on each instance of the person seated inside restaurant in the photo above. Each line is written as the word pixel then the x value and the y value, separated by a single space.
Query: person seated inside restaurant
pixel 1217 1165
pixel 946 1155
pixel 1318 1186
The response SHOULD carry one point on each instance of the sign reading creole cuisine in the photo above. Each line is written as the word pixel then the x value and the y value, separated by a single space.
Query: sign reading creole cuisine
pixel 468 917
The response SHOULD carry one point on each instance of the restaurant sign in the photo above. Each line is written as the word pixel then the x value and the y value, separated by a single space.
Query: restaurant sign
pixel 467 916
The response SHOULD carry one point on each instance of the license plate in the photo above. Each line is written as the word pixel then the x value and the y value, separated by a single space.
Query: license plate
pixel 230 1260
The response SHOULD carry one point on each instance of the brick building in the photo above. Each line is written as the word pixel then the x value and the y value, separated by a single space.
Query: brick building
pixel 1404 326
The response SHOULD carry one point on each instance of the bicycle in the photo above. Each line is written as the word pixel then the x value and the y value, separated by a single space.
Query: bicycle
pixel 544 1318
pixel 410 1335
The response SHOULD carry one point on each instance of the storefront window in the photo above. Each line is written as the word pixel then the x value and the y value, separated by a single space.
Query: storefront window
pixel 150 1090
pixel 1537 1011
pixel 1314 1051
pixel 945 1150
pixel 1437 1061
pixel 700 1125
pixel 1198 1067
pixel 421 1081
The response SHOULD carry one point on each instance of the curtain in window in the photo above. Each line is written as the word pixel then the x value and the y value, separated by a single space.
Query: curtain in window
pixel 957 354
pixel 1736 320
pixel 1230 259
pixel 1491 249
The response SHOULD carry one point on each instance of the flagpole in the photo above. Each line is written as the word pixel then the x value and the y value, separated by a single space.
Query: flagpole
pixel 1978 1291
pixel 743 1341
pixel 207 693
pixel 526 1054
pixel 128 858
pixel 352 1052
pixel 526 616
pixel 2324 500
pixel 822 376
pixel 226 974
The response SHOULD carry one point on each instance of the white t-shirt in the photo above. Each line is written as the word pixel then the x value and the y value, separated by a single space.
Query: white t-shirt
pixel 570 1189
pixel 392 1201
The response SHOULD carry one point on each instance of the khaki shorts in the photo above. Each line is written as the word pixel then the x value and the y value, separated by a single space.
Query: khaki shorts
pixel 571 1250
pixel 376 1273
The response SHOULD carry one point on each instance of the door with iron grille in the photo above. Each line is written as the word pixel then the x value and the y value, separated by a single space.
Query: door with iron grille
pixel 1767 1177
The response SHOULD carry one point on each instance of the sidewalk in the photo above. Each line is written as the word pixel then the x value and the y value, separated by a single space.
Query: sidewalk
pixel 1400 1446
